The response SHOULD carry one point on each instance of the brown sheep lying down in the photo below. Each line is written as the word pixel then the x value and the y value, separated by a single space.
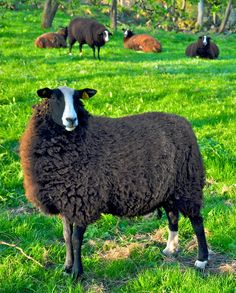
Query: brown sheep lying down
pixel 53 40
pixel 141 42
pixel 203 48
pixel 79 166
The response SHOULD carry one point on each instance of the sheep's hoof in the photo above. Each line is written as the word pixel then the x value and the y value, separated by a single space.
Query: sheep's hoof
pixel 170 252
pixel 68 269
pixel 201 265
pixel 77 277
pixel 77 273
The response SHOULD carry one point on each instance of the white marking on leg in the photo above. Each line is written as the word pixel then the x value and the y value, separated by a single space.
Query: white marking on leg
pixel 172 243
pixel 201 264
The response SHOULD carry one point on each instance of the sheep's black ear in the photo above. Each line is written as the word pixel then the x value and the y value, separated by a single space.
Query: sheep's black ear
pixel 85 93
pixel 45 92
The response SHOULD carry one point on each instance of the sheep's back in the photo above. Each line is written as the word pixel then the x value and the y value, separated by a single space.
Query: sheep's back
pixel 142 161
pixel 191 50
pixel 214 50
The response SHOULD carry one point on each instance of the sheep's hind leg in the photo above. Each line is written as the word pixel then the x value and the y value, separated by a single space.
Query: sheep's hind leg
pixel 71 43
pixel 67 233
pixel 172 243
pixel 197 223
pixel 80 49
pixel 99 53
pixel 77 240
pixel 94 56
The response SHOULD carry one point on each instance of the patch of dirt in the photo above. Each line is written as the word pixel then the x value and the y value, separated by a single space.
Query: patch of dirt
pixel 218 263
pixel 119 252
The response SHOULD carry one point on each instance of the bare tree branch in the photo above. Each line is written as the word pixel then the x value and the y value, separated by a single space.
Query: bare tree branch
pixel 226 17
pixel 21 250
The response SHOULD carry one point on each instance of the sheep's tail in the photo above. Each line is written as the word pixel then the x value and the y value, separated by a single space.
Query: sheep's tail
pixel 39 43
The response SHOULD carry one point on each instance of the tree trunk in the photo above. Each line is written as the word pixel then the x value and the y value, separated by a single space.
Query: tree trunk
pixel 226 17
pixel 113 15
pixel 200 13
pixel 183 6
pixel 49 12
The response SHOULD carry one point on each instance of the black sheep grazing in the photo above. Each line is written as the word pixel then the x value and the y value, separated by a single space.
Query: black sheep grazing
pixel 87 31
pixel 203 48
pixel 79 166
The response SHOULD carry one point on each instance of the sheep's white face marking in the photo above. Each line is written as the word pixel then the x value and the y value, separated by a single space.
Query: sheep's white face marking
pixel 106 36
pixel 172 243
pixel 204 40
pixel 125 33
pixel 69 117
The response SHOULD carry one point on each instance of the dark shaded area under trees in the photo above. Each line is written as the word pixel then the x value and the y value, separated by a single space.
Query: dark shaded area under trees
pixel 178 15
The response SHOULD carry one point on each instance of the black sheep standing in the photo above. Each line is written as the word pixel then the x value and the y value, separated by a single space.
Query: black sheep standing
pixel 80 166
pixel 203 48
pixel 87 31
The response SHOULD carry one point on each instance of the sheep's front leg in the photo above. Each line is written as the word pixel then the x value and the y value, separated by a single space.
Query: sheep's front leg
pixel 99 53
pixel 197 223
pixel 67 233
pixel 80 49
pixel 71 43
pixel 173 242
pixel 77 240
pixel 94 56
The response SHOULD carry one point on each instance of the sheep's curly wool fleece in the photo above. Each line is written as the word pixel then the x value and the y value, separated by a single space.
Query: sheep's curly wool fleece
pixel 124 166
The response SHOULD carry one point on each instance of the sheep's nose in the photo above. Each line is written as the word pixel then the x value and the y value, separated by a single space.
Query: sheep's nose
pixel 71 120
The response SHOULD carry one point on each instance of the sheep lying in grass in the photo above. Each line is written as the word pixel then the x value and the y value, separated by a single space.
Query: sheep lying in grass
pixel 52 40
pixel 87 31
pixel 203 48
pixel 141 42
pixel 79 166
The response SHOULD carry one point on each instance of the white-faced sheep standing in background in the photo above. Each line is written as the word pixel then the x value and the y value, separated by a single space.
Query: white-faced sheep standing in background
pixel 141 42
pixel 203 48
pixel 53 40
pixel 80 166
pixel 87 31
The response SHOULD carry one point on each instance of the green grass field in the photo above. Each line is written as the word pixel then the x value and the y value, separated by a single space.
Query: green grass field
pixel 120 255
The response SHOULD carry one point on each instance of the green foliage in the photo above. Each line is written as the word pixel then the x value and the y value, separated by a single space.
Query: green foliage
pixel 128 82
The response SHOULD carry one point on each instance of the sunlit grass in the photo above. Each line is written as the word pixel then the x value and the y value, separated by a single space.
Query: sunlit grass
pixel 127 82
